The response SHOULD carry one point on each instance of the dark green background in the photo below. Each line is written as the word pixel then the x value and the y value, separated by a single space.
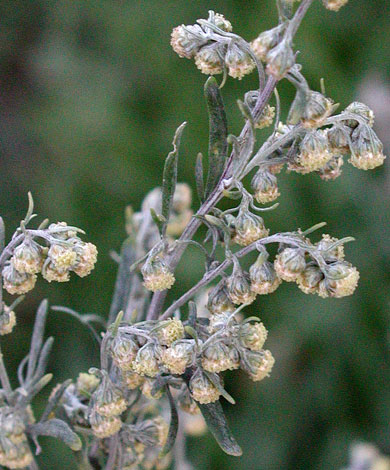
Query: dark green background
pixel 90 95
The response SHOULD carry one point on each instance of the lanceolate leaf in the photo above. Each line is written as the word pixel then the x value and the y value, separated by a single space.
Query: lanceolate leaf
pixel 123 279
pixel 59 429
pixel 199 177
pixel 216 422
pixel 218 145
pixel 174 425
pixel 170 174
pixel 37 338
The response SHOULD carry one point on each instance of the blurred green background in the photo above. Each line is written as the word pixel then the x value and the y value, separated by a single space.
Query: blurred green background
pixel 90 95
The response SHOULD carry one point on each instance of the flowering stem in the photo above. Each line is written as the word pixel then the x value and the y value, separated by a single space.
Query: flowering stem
pixel 211 275
pixel 173 258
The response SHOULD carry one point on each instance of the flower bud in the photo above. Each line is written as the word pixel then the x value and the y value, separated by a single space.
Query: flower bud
pixel 238 285
pixel 266 41
pixel 366 149
pixel 58 231
pixel 132 380
pixel 12 425
pixel 108 398
pixel 253 336
pixel 123 351
pixel 202 390
pixel 169 331
pixel 28 257
pixel 15 455
pixel 279 60
pixel 157 276
pixel 267 116
pixel 334 5
pixel 51 273
pixel 103 426
pixel 209 59
pixel 222 23
pixel 7 320
pixel 219 300
pixel 219 357
pixel 14 449
pixel 339 138
pixel 87 382
pixel 336 253
pixel 187 40
pixel 289 263
pixel 15 282
pixel 264 279
pixel 86 259
pixel 265 187
pixel 314 152
pixel 310 278
pixel 332 169
pixel 62 257
pixel 248 228
pixel 318 108
pixel 258 364
pixel 219 320
pixel 238 62
pixel 147 360
pixel 341 280
pixel 275 168
pixel 361 110
pixel 179 356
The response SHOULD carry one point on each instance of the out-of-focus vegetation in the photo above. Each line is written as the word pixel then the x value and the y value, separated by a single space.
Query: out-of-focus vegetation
pixel 90 95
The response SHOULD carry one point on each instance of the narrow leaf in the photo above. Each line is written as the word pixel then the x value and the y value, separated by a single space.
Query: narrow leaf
pixel 216 422
pixel 199 178
pixel 123 279
pixel 174 424
pixel 58 429
pixel 218 145
pixel 43 359
pixel 170 174
pixel 37 338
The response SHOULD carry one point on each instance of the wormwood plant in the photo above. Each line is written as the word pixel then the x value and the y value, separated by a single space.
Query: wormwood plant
pixel 161 364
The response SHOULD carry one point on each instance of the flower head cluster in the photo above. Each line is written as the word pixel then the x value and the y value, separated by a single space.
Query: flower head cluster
pixel 63 252
pixel 212 47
